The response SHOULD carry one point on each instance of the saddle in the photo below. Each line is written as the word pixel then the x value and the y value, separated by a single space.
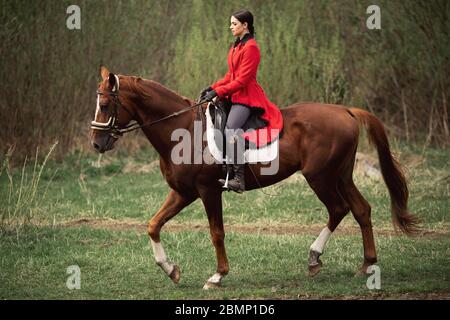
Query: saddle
pixel 219 115
pixel 216 119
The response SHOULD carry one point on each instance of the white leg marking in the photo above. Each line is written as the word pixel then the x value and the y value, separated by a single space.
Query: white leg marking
pixel 320 242
pixel 215 278
pixel 161 258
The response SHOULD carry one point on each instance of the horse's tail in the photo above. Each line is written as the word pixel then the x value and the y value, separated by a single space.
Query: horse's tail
pixel 391 170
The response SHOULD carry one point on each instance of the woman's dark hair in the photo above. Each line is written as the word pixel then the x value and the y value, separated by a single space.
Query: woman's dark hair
pixel 245 16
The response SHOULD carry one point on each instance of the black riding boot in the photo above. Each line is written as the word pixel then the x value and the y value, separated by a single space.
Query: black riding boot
pixel 237 184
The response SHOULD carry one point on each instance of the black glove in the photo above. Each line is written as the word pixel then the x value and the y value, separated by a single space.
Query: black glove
pixel 210 95
pixel 204 92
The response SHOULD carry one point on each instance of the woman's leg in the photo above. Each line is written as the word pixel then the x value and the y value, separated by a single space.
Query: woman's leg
pixel 235 152
pixel 237 116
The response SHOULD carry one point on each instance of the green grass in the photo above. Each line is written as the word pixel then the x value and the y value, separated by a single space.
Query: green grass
pixel 120 264
pixel 77 189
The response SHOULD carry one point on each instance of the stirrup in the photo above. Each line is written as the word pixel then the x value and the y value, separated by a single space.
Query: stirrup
pixel 225 186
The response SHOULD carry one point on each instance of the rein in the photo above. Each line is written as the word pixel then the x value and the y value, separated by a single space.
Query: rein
pixel 114 129
pixel 117 132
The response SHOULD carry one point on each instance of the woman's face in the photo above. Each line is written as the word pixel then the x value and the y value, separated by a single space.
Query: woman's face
pixel 238 29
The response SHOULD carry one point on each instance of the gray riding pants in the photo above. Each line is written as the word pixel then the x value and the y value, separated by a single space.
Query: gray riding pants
pixel 236 118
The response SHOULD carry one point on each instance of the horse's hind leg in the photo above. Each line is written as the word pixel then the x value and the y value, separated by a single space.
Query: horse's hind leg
pixel 212 201
pixel 337 207
pixel 361 211
pixel 173 204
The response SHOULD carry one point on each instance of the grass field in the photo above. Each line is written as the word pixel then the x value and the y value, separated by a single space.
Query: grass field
pixel 78 213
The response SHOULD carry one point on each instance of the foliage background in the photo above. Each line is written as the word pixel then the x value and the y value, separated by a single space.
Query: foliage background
pixel 93 212
pixel 311 51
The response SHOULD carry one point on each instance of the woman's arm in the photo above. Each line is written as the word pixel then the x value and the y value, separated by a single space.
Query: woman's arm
pixel 247 68
pixel 222 81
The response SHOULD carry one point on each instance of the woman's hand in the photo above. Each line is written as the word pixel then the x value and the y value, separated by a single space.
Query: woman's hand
pixel 210 95
pixel 204 92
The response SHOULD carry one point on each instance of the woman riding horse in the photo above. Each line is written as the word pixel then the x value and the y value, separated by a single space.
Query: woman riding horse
pixel 241 87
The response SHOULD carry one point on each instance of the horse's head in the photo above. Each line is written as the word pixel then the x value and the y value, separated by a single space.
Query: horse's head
pixel 110 114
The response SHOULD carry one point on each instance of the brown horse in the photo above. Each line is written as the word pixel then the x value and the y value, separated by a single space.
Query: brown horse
pixel 320 140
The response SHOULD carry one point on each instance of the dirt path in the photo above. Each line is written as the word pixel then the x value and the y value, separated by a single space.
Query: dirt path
pixel 279 229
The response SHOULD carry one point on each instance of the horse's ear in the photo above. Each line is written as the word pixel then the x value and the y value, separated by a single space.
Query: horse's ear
pixel 104 72
pixel 112 80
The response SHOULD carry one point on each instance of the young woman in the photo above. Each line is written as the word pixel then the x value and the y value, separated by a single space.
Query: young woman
pixel 241 87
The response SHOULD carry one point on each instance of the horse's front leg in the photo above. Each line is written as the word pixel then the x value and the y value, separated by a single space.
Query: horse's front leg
pixel 174 203
pixel 212 200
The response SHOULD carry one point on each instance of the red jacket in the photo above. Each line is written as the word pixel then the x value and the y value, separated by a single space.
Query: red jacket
pixel 241 86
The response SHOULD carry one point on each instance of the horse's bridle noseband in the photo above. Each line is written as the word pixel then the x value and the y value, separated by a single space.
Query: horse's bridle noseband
pixel 110 126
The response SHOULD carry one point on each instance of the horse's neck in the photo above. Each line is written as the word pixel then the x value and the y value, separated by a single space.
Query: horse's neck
pixel 160 134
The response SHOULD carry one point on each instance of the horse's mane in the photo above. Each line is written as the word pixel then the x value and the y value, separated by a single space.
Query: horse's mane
pixel 147 88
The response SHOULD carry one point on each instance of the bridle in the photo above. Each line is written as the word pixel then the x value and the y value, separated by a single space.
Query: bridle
pixel 114 128
pixel 111 126
pixel 115 131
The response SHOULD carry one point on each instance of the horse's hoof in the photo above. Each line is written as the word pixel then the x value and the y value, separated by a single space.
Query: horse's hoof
pixel 314 263
pixel 175 274
pixel 211 285
pixel 315 268
pixel 362 272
